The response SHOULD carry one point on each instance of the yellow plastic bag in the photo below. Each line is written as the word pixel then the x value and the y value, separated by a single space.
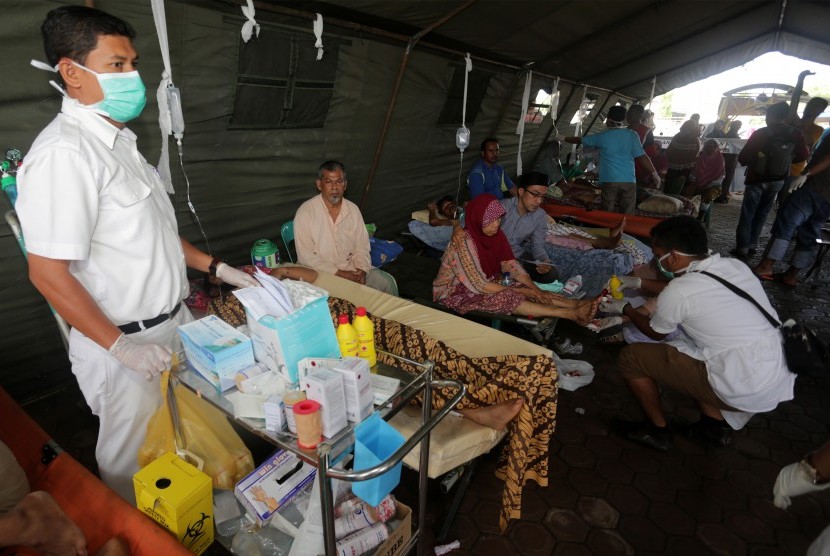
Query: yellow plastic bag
pixel 207 435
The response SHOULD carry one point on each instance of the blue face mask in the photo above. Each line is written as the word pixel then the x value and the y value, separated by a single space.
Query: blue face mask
pixel 124 94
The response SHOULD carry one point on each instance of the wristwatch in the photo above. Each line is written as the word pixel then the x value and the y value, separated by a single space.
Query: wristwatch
pixel 212 266
pixel 810 471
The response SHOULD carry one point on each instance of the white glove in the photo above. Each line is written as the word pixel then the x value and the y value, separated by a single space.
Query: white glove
pixel 234 277
pixel 148 360
pixel 631 282
pixel 796 182
pixel 793 481
pixel 656 177
pixel 612 306
pixel 598 325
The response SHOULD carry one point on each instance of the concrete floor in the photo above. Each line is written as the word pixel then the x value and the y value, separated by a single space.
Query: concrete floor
pixel 608 496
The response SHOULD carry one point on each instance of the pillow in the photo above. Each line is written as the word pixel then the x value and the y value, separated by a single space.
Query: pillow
pixel 661 204
pixel 421 216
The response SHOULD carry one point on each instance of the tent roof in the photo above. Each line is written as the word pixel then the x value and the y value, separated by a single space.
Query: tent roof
pixel 618 45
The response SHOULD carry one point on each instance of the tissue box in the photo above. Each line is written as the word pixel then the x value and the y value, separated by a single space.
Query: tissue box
pixel 179 497
pixel 326 387
pixel 357 383
pixel 216 350
pixel 280 342
pixel 273 484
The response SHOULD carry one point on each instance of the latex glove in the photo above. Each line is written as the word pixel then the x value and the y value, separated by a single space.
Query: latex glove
pixel 597 325
pixel 656 177
pixel 148 360
pixel 631 282
pixel 796 182
pixel 612 306
pixel 792 481
pixel 234 277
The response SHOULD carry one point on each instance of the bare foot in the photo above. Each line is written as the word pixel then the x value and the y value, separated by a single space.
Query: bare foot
pixel 585 311
pixel 618 230
pixel 45 527
pixel 495 416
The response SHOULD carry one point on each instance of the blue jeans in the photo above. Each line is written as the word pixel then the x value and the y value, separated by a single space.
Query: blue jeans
pixel 758 200
pixel 801 216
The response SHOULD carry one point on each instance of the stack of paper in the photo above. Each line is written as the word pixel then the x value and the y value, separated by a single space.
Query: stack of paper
pixel 271 299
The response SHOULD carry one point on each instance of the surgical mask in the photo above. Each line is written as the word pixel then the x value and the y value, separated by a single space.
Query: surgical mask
pixel 124 94
pixel 669 273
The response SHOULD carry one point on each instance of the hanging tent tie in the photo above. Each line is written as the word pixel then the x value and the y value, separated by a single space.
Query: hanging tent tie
pixel 168 97
pixel 318 32
pixel 250 26
pixel 462 134
pixel 580 116
pixel 520 127
pixel 554 102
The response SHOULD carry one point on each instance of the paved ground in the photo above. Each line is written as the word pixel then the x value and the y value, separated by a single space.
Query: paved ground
pixel 608 496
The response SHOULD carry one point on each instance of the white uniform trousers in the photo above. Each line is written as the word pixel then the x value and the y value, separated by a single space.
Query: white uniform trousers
pixel 122 399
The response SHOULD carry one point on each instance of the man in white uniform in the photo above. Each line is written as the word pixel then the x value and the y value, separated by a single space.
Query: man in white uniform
pixel 102 237
pixel 730 359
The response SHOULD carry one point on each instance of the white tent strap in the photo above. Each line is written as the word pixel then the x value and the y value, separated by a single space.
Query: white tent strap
pixel 581 113
pixel 318 32
pixel 467 69
pixel 554 102
pixel 163 166
pixel 520 127
pixel 250 26
pixel 653 86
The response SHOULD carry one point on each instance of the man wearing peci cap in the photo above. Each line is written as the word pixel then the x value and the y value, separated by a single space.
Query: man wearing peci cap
pixel 525 226
pixel 103 242
pixel 618 147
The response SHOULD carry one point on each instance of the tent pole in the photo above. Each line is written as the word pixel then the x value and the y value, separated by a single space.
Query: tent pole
pixel 390 109
pixel 552 127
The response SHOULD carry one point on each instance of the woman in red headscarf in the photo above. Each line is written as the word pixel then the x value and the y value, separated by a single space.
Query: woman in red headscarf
pixel 471 268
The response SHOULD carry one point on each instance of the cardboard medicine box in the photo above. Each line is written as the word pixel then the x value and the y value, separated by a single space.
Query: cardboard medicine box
pixel 216 350
pixel 179 497
pixel 280 342
pixel 393 546
pixel 276 482
pixel 357 383
pixel 326 388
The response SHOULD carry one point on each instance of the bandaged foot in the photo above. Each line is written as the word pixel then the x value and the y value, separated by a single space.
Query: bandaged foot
pixel 793 481
pixel 598 325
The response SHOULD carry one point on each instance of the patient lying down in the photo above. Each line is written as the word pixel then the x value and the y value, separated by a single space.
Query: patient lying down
pixel 470 267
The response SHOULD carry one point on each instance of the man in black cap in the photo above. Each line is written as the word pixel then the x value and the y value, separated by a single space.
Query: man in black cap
pixel 525 226
pixel 618 147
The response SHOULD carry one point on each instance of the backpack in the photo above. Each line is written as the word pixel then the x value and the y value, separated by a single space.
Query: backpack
pixel 773 162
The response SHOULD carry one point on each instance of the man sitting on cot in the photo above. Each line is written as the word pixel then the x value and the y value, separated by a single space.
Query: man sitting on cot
pixel 331 236
pixel 470 273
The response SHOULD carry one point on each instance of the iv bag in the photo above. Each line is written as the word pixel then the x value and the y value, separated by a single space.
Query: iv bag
pixel 462 138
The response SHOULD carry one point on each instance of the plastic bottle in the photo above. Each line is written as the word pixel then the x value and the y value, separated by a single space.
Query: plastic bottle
pixel 573 285
pixel 365 336
pixel 506 280
pixel 615 284
pixel 346 337
pixel 9 184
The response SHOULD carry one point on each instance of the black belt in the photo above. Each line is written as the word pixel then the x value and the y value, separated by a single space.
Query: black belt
pixel 138 326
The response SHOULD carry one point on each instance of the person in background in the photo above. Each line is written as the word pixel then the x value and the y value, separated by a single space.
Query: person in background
pixel 619 149
pixel 331 236
pixel 802 217
pixel 706 176
pixel 525 227
pixel 730 161
pixel 761 190
pixel 102 238
pixel 717 130
pixel 487 175
pixel 811 132
pixel 444 214
pixel 471 268
pixel 729 359
pixel 634 117
pixel 681 155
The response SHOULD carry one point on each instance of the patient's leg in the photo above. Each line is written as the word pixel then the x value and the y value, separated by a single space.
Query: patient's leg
pixel 494 416
pixel 580 311
pixel 613 239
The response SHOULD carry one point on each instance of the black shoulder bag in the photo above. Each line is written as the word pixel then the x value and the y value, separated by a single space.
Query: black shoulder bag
pixel 805 352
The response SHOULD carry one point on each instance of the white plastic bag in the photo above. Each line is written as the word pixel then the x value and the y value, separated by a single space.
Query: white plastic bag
pixel 574 374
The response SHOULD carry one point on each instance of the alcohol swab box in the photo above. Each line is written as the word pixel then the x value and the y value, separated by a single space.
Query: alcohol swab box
pixel 216 350
pixel 357 384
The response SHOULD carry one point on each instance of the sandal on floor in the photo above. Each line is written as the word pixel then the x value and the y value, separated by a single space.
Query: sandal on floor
pixel 779 277
pixel 766 277
pixel 613 339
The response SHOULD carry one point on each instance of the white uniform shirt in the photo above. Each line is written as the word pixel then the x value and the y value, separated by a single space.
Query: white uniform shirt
pixel 742 351
pixel 86 195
